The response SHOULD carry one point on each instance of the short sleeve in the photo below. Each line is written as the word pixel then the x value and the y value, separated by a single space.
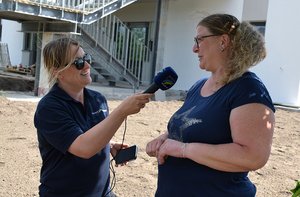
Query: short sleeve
pixel 56 126
pixel 251 90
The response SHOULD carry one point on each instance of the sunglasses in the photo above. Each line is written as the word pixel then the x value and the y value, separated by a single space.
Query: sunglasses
pixel 79 62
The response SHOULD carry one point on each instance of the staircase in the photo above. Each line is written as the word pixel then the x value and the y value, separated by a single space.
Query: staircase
pixel 118 53
pixel 119 56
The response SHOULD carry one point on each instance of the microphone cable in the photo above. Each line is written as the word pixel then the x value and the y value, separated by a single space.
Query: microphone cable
pixel 111 166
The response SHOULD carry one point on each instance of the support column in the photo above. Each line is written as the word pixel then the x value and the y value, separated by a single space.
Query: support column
pixel 41 85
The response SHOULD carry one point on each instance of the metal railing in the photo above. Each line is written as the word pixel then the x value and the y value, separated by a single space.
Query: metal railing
pixel 109 32
pixel 4 55
pixel 80 6
pixel 117 39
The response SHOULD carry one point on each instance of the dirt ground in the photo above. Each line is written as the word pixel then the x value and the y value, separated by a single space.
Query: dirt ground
pixel 20 160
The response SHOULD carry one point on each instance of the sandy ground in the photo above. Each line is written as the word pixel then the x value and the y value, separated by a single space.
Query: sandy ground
pixel 20 160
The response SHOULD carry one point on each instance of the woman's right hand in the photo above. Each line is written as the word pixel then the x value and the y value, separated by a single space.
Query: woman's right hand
pixel 133 104
pixel 154 145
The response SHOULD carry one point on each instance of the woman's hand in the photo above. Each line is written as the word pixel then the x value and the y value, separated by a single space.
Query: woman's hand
pixel 133 104
pixel 171 148
pixel 154 145
pixel 114 147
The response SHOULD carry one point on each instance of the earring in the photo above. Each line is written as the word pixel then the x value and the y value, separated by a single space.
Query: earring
pixel 222 48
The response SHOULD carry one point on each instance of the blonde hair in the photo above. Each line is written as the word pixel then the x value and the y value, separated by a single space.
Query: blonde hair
pixel 247 46
pixel 57 56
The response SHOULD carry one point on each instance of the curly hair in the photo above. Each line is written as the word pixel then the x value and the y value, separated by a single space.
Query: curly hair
pixel 247 46
pixel 57 56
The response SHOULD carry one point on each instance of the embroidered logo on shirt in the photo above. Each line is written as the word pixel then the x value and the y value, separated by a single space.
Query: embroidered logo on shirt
pixel 99 111
pixel 252 95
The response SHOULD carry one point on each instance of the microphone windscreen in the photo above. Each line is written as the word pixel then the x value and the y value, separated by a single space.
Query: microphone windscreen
pixel 166 78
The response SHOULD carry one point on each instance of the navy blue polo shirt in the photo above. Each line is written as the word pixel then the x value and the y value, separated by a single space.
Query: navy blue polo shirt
pixel 59 120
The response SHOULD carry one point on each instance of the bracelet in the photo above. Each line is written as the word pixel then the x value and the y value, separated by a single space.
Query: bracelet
pixel 183 147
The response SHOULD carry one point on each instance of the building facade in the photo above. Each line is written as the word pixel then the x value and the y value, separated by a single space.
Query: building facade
pixel 168 28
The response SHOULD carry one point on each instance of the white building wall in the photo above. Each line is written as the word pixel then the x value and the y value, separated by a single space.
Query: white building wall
pixel 140 11
pixel 255 10
pixel 14 38
pixel 177 30
pixel 281 69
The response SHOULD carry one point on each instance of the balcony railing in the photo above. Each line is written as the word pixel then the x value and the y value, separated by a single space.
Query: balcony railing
pixel 75 11
pixel 80 6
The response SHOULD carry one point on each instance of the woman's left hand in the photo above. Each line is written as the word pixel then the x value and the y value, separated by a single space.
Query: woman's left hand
pixel 114 147
pixel 170 148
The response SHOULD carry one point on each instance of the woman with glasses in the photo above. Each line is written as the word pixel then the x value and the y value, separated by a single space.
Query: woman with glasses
pixel 224 128
pixel 74 126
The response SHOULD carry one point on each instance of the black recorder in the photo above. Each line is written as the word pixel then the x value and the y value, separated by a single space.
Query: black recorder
pixel 126 154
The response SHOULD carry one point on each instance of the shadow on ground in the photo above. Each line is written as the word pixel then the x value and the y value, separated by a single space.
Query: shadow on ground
pixel 8 83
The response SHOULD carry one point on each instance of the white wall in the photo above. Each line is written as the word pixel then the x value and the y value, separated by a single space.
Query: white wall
pixel 281 69
pixel 255 10
pixel 14 38
pixel 177 30
pixel 139 11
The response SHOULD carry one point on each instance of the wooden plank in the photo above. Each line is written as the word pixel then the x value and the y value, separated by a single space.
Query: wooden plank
pixel 19 70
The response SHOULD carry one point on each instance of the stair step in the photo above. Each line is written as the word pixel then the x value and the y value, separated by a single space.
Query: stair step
pixel 110 78
pixel 106 74
pixel 116 83
pixel 109 68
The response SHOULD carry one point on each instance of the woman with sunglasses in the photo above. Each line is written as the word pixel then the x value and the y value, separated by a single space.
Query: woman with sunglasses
pixel 74 127
pixel 224 128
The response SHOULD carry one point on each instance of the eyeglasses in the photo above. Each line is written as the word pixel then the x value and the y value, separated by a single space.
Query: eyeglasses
pixel 201 38
pixel 79 62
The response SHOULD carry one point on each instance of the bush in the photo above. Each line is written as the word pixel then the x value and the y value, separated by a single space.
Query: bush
pixel 296 190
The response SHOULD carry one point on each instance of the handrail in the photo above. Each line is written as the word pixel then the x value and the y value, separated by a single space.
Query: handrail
pixel 4 55
pixel 115 37
pixel 79 6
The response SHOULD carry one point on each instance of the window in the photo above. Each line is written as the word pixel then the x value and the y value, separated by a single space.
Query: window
pixel 261 26
pixel 27 42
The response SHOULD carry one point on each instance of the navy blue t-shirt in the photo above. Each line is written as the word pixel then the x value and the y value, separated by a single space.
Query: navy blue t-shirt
pixel 206 120
pixel 59 120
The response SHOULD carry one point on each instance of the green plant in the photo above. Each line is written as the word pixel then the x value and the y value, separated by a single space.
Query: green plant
pixel 296 190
